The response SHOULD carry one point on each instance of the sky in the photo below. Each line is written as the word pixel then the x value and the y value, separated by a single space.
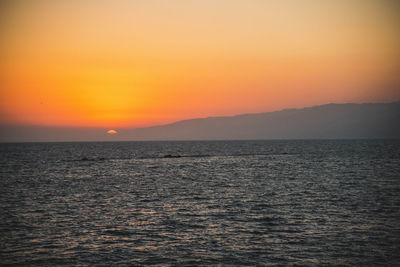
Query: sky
pixel 125 64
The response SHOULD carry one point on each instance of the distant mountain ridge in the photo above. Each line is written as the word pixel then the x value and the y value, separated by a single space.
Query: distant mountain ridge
pixel 330 121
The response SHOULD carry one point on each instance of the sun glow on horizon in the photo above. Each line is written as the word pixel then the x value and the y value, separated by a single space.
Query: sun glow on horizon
pixel 112 132
pixel 140 63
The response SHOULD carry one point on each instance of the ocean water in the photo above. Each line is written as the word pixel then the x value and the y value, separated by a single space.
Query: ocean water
pixel 233 203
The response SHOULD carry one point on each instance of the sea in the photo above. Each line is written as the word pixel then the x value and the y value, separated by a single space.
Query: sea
pixel 201 203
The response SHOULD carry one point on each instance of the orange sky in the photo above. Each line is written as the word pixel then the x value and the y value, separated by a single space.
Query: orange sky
pixel 137 63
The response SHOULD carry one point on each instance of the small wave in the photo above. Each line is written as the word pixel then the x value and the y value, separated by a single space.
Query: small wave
pixel 170 156
pixel 120 232
pixel 174 156
pixel 176 224
pixel 89 159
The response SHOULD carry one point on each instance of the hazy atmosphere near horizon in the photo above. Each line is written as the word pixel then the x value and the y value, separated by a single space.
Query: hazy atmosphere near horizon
pixel 199 133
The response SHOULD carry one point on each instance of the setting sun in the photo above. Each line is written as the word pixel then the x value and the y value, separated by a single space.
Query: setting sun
pixel 112 132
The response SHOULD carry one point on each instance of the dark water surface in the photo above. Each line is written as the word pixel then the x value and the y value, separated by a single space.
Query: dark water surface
pixel 240 203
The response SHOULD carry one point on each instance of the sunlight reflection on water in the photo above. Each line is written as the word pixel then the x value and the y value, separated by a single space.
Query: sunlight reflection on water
pixel 231 203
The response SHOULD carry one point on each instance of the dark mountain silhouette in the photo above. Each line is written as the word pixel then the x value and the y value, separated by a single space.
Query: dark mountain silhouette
pixel 331 121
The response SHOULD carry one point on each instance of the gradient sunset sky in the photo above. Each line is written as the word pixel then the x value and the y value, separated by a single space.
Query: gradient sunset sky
pixel 115 63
